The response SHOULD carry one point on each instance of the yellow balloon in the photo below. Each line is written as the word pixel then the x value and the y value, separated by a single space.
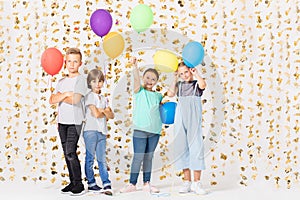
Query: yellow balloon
pixel 113 44
pixel 165 61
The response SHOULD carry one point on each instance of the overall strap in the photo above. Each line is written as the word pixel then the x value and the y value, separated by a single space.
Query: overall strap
pixel 196 85
pixel 179 89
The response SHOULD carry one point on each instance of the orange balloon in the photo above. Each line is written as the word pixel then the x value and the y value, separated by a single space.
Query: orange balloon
pixel 113 44
pixel 52 61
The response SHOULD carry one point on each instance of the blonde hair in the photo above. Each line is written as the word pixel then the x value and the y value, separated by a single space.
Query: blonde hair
pixel 74 51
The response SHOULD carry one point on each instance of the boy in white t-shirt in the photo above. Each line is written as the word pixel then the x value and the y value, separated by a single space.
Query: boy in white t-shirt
pixel 69 95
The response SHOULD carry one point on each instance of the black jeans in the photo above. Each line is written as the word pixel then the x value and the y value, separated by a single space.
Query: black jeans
pixel 69 136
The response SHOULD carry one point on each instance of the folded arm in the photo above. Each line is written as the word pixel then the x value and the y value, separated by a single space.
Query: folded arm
pixel 97 112
pixel 73 99
pixel 59 97
pixel 108 113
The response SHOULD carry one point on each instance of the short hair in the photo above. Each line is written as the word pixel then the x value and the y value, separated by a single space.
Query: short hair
pixel 93 75
pixel 74 51
pixel 153 71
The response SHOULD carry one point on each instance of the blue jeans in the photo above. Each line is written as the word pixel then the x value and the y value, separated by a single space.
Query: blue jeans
pixel 95 142
pixel 144 145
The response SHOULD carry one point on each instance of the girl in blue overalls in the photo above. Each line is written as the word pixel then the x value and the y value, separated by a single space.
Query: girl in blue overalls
pixel 189 151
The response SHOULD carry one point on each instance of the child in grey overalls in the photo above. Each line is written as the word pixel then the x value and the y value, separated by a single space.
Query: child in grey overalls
pixel 189 151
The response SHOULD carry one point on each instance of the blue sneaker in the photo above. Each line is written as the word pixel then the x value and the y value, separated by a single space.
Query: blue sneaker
pixel 94 188
pixel 107 190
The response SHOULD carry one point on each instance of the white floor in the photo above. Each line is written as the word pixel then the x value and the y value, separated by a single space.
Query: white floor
pixel 23 190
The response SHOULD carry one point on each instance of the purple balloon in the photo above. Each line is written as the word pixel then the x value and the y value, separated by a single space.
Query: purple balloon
pixel 101 22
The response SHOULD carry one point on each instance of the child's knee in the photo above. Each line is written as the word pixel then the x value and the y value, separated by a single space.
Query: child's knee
pixel 148 156
pixel 71 156
pixel 138 157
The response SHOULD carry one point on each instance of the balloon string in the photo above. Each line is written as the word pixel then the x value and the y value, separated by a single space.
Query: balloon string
pixel 104 63
pixel 49 82
pixel 104 71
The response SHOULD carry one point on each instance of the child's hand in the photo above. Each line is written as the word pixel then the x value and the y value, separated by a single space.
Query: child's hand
pixel 108 109
pixel 194 71
pixel 176 74
pixel 109 113
pixel 133 61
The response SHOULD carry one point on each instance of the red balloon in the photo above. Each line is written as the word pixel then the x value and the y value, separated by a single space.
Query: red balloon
pixel 52 60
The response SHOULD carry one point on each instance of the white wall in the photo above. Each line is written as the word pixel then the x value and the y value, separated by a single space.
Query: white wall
pixel 252 69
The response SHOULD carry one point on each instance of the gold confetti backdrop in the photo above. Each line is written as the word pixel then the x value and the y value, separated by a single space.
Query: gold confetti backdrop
pixel 254 47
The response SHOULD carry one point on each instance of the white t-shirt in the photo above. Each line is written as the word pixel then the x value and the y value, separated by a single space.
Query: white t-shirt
pixel 67 113
pixel 93 123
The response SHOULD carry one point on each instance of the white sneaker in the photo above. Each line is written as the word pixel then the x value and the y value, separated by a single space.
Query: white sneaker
pixel 197 188
pixel 186 187
pixel 128 188
pixel 150 188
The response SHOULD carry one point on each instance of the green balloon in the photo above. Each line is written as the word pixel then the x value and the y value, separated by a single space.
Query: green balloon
pixel 141 18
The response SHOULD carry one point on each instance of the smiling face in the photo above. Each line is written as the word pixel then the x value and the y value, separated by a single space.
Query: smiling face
pixel 149 80
pixel 185 73
pixel 73 62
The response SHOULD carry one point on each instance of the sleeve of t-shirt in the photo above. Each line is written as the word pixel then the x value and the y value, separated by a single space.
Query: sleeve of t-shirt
pixel 90 99
pixel 58 87
pixel 177 84
pixel 141 89
pixel 81 86
pixel 199 90
pixel 139 92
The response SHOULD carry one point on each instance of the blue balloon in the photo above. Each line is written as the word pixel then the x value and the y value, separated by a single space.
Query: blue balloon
pixel 167 112
pixel 193 54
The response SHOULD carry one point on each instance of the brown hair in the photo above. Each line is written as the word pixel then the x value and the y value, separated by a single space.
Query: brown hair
pixel 74 51
pixel 181 64
pixel 153 71
pixel 93 74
